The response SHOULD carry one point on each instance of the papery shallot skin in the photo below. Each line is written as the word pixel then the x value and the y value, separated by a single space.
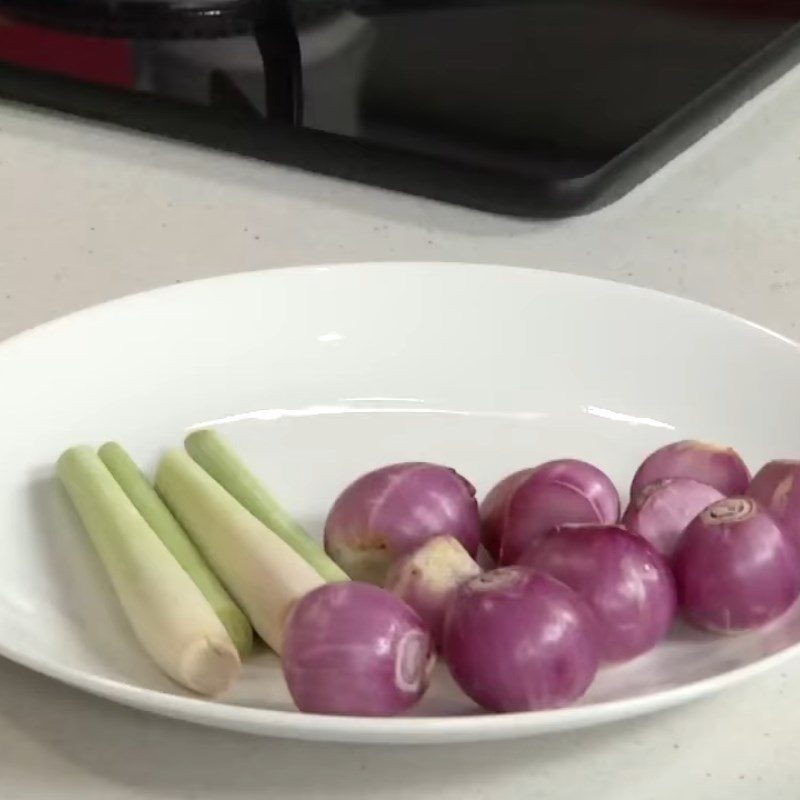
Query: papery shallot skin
pixel 717 466
pixel 623 579
pixel 776 487
pixel 662 511
pixel 528 504
pixel 735 568
pixel 427 578
pixel 519 640
pixel 354 649
pixel 393 510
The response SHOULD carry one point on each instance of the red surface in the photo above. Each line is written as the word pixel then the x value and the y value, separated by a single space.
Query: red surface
pixel 108 61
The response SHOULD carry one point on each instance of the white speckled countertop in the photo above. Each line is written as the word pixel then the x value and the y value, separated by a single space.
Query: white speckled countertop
pixel 89 213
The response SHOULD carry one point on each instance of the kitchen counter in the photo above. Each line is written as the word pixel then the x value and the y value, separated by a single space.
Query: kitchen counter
pixel 88 213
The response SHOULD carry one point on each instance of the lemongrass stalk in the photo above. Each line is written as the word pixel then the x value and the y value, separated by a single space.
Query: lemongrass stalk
pixel 221 462
pixel 155 512
pixel 258 568
pixel 169 615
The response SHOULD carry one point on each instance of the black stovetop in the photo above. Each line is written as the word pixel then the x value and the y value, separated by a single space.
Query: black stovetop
pixel 544 107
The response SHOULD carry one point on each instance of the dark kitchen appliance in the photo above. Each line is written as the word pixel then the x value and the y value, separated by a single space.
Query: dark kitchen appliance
pixel 526 107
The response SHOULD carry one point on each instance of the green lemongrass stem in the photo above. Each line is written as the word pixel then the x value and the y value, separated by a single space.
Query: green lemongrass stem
pixel 258 568
pixel 172 620
pixel 155 512
pixel 222 463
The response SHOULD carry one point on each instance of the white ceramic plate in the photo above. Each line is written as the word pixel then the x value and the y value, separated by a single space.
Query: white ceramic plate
pixel 319 374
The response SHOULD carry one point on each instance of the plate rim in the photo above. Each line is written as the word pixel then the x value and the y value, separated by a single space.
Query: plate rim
pixel 270 273
pixel 481 726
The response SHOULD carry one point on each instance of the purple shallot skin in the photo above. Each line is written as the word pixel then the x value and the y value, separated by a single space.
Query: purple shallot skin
pixel 735 568
pixel 662 510
pixel 494 510
pixel 776 487
pixel 519 640
pixel 712 464
pixel 625 581
pixel 529 504
pixel 394 510
pixel 354 649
